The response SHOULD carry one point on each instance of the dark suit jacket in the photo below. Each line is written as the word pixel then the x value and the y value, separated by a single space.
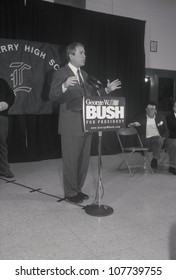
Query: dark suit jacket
pixel 171 123
pixel 70 119
pixel 160 123
pixel 6 95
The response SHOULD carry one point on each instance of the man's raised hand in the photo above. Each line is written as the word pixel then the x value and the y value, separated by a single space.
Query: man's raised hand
pixel 70 81
pixel 111 86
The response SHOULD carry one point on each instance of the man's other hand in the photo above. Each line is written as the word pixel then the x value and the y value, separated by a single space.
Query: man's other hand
pixel 71 81
pixel 111 86
pixel 3 106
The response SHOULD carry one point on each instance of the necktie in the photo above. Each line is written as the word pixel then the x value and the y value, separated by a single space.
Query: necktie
pixel 81 81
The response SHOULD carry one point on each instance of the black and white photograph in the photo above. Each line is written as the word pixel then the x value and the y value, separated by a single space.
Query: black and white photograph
pixel 88 132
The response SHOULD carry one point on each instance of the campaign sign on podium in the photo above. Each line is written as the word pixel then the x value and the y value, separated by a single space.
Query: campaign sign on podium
pixel 103 113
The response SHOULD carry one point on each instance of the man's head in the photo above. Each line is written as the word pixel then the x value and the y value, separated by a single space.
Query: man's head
pixel 174 106
pixel 76 54
pixel 151 109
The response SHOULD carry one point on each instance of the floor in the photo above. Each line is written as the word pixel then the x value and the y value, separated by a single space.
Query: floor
pixel 34 225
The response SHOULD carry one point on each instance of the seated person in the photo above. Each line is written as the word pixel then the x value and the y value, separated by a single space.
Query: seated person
pixel 153 130
pixel 171 141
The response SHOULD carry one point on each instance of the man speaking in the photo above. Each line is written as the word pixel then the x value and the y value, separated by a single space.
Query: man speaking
pixel 69 85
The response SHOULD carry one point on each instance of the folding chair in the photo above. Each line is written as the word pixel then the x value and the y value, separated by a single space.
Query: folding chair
pixel 131 131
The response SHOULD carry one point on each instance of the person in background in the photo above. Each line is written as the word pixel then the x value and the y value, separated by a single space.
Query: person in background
pixel 153 131
pixel 171 141
pixel 7 98
pixel 69 85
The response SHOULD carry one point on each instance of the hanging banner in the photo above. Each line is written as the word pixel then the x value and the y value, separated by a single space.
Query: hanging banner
pixel 28 66
pixel 103 113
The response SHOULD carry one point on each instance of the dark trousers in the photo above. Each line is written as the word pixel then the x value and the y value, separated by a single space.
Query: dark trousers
pixel 154 144
pixel 4 166
pixel 170 145
pixel 75 155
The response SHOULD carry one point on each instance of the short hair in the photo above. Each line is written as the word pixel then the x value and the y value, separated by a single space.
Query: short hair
pixel 71 48
pixel 153 103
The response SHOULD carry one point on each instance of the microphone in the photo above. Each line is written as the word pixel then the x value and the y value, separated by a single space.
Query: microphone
pixel 95 82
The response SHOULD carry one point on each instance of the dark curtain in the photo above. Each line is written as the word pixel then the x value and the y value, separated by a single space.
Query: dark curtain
pixel 12 18
pixel 114 48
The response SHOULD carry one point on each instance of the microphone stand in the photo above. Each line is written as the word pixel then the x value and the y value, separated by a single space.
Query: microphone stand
pixel 96 208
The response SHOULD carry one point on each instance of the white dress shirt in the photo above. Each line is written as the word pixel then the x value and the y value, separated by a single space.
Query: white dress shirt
pixel 75 72
pixel 151 128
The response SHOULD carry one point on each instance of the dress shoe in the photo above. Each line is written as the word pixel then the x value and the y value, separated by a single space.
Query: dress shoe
pixel 83 196
pixel 75 199
pixel 172 170
pixel 7 174
pixel 154 163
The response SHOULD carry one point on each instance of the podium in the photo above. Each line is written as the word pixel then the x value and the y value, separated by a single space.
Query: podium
pixel 102 114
